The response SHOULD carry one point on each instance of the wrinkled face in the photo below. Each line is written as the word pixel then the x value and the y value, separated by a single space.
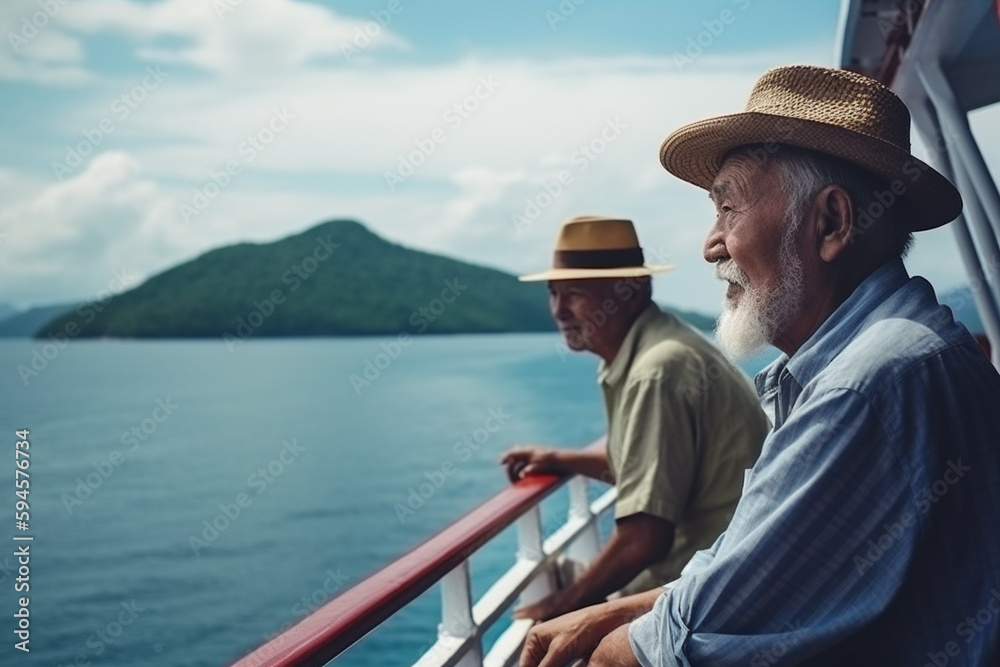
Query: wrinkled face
pixel 592 314
pixel 754 244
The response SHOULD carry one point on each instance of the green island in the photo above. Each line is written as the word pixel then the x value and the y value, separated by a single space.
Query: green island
pixel 335 279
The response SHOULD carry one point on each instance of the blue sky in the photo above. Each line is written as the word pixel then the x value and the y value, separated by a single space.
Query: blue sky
pixel 315 119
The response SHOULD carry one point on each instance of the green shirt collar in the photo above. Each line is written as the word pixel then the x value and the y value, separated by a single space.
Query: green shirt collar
pixel 612 374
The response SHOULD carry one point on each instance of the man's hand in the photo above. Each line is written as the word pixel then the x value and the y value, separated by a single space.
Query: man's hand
pixel 531 460
pixel 560 641
pixel 576 635
pixel 614 651
pixel 543 610
pixel 638 540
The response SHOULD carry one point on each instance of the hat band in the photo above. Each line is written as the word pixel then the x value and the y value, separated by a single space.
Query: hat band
pixel 598 259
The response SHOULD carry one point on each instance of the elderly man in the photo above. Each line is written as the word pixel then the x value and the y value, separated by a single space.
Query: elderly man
pixel 683 423
pixel 866 533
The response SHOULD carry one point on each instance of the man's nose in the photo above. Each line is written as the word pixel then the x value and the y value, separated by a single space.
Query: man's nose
pixel 558 307
pixel 714 249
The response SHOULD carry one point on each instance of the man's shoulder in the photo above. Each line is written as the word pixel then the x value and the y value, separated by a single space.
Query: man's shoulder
pixel 903 335
pixel 670 348
pixel 668 340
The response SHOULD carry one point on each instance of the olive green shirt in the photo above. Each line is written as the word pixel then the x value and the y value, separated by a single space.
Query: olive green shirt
pixel 683 425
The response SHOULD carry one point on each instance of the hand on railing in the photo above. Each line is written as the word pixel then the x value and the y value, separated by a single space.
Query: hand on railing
pixel 527 460
pixel 543 610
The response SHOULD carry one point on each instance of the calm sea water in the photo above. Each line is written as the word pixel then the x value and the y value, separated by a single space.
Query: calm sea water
pixel 137 448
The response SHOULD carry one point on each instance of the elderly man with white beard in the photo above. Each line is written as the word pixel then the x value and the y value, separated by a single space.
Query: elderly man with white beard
pixel 866 531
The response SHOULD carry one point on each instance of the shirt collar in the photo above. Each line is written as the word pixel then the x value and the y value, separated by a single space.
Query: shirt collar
pixel 839 329
pixel 613 373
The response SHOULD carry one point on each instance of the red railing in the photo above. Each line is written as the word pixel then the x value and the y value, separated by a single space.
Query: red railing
pixel 336 626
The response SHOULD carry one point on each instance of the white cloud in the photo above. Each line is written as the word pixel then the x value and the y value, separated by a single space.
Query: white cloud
pixel 68 238
pixel 462 197
pixel 37 49
pixel 251 38
pixel 353 124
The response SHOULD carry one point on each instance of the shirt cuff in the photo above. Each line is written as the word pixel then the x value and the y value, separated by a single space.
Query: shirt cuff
pixel 661 508
pixel 656 638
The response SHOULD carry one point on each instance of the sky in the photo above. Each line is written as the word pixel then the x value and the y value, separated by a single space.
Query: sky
pixel 137 135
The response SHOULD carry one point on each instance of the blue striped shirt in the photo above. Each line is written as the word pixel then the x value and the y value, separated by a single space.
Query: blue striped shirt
pixel 868 532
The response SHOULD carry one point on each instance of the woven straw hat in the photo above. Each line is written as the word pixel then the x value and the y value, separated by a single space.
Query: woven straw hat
pixel 836 112
pixel 592 246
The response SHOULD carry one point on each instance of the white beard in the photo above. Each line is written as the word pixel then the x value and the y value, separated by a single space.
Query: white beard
pixel 744 328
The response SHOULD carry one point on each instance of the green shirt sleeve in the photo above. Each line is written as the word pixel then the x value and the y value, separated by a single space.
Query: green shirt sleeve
pixel 656 462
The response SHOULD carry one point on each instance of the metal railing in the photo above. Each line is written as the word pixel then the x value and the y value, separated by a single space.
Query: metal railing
pixel 335 627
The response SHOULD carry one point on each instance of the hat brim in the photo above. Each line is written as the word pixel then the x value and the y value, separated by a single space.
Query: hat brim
pixel 695 153
pixel 583 274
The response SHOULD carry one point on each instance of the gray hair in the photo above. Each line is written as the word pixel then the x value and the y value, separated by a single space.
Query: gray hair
pixel 880 232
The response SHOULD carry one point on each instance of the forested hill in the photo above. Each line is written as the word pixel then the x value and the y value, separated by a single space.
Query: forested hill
pixel 337 278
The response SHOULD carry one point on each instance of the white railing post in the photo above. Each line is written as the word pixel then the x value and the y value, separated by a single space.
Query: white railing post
pixel 456 613
pixel 586 547
pixel 529 547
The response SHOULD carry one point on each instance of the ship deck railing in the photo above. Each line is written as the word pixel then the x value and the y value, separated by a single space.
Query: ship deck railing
pixel 329 631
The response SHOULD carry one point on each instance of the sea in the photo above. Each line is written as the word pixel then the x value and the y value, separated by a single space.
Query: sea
pixel 187 499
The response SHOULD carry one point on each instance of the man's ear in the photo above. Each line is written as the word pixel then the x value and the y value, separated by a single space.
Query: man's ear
pixel 834 216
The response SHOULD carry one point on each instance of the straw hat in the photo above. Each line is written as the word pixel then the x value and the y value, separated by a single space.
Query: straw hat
pixel 591 246
pixel 836 112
